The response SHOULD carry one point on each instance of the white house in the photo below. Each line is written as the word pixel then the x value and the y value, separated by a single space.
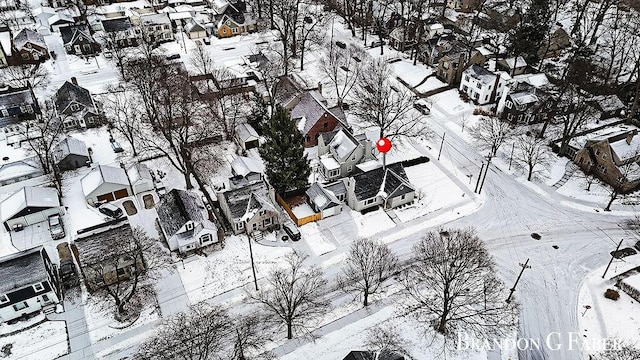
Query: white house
pixel 157 28
pixel 29 284
pixel 29 205
pixel 105 183
pixel 185 222
pixel 482 85
pixel 247 136
pixel 140 178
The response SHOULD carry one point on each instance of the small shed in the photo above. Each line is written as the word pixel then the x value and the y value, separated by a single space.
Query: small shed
pixel 140 177
pixel 247 136
pixel 105 183
pixel 71 154
pixel 29 205
pixel 249 168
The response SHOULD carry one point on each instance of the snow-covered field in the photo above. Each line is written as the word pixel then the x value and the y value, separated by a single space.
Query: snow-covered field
pixel 42 342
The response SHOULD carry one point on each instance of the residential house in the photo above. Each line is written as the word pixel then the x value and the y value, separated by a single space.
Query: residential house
pixel 156 28
pixel 29 47
pixel 233 25
pixel 102 257
pixel 194 30
pixel 314 117
pixel 185 222
pixel 482 85
pixel 609 106
pixel 29 205
pixel 553 46
pixel 120 32
pixel 75 105
pixel 339 152
pixel 29 284
pixel 250 169
pixel 105 183
pixel 463 5
pixel 247 136
pixel 70 154
pixel 20 170
pixel 140 178
pixel 77 40
pixel 387 187
pixel 613 157
pixel 512 66
pixel 17 105
pixel 60 20
pixel 519 104
pixel 451 63
pixel 288 93
pixel 323 200
pixel 250 208
pixel 5 49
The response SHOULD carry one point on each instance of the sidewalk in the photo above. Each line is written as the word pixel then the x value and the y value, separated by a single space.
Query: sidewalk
pixel 77 329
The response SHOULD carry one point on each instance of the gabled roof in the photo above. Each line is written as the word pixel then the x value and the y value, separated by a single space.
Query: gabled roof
pixel 608 103
pixel 311 108
pixel 103 174
pixel 28 197
pixel 390 183
pixel 245 165
pixel 19 168
pixel 71 33
pixel 5 42
pixel 321 198
pixel 117 24
pixel 343 143
pixel 514 62
pixel 69 146
pixel 25 36
pixel 176 208
pixel 21 269
pixel 155 19
pixel 15 97
pixel 192 26
pixel 138 172
pixel 246 201
pixel 94 248
pixel 69 93
pixel 480 73
pixel 523 98
pixel 287 92
pixel 60 18
pixel 246 132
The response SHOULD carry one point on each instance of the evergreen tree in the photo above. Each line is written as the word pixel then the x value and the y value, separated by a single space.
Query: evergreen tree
pixel 530 34
pixel 286 164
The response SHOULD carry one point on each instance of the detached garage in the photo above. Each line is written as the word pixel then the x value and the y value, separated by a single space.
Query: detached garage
pixel 28 206
pixel 105 183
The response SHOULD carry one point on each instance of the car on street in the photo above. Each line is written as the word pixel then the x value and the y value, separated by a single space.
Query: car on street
pixel 422 106
pixel 637 246
pixel 341 45
pixel 292 231
pixel 116 147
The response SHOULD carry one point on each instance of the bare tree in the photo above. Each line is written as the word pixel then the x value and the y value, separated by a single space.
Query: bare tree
pixel 627 177
pixel 41 136
pixel 531 153
pixel 198 334
pixel 344 68
pixel 491 133
pixel 295 294
pixel 23 75
pixel 285 22
pixel 385 341
pixel 119 55
pixel 453 286
pixel 369 264
pixel 202 61
pixel 123 113
pixel 311 30
pixel 249 337
pixel 576 118
pixel 380 104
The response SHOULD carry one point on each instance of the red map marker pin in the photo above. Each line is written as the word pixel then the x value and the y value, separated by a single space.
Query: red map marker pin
pixel 383 145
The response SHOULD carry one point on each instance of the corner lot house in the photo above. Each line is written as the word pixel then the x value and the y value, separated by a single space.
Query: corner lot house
pixel 184 221
pixel 105 183
pixel 28 206
pixel 29 284
pixel 388 188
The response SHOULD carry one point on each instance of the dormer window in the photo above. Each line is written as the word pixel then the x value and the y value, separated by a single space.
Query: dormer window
pixel 38 287
pixel 4 299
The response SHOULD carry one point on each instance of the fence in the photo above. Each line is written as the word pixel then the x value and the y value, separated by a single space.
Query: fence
pixel 296 220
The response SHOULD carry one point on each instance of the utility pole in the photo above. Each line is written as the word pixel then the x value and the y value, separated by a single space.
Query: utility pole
pixel 524 266
pixel 611 260
pixel 486 170
pixel 253 266
pixel 441 144
pixel 479 177
pixel 513 145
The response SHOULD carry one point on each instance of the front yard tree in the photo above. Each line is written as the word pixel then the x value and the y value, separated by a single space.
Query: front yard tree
pixel 198 334
pixel 24 75
pixel 41 136
pixel 343 67
pixel 578 115
pixel 453 286
pixel 249 338
pixel 490 133
pixel 628 174
pixel 531 153
pixel 286 164
pixel 294 295
pixel 368 265
pixel 123 113
pixel 379 104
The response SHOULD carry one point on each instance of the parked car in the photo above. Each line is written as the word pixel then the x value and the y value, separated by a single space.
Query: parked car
pixel 111 210
pixel 173 56
pixel 55 227
pixel 341 45
pixel 422 106
pixel 207 41
pixel 292 231
pixel 637 246
pixel 116 147
pixel 67 270
pixel 377 43
pixel 623 253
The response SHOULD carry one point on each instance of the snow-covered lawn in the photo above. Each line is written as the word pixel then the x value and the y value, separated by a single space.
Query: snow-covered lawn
pixel 409 73
pixel 227 269
pixel 575 188
pixel 450 104
pixel 5 328
pixel 102 324
pixel 431 84
pixel 434 188
pixel 42 342
pixel 317 243
pixel 372 223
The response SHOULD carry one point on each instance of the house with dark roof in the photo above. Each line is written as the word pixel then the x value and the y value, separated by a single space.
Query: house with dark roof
pixel 287 92
pixel 388 188
pixel 16 106
pixel 105 183
pixel 323 200
pixel 29 47
pixel 314 117
pixel 70 154
pixel 103 259
pixel 120 32
pixel 185 222
pixel 29 205
pixel 339 152
pixel 608 106
pixel 75 105
pixel 78 40
pixel 29 284
pixel 521 103
pixel 235 24
pixel 250 208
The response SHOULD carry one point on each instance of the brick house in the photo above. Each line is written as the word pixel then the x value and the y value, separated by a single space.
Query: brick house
pixel 314 117
pixel 29 47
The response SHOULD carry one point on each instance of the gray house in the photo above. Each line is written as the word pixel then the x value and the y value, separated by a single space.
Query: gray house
pixel 339 152
pixel 388 188
pixel 250 208
pixel 248 168
pixel 71 154
pixel 323 200
pixel 76 106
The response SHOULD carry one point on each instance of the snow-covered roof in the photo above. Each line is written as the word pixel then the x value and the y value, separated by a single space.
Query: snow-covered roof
pixel 60 18
pixel 343 143
pixel 626 150
pixel 391 181
pixel 608 102
pixel 514 62
pixel 5 42
pixel 28 36
pixel 524 98
pixel 311 107
pixel 70 93
pixel 246 201
pixel 28 196
pixel 246 132
pixel 68 146
pixel 329 162
pixel 139 172
pixel 478 72
pixel 320 198
pixel 20 168
pixel 537 80
pixel 155 19
pixel 180 15
pixel 193 26
pixel 484 51
pixel 176 208
pixel 21 269
pixel 245 165
pixel 103 174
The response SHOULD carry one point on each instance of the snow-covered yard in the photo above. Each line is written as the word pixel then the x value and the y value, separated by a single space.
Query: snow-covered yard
pixel 315 240
pixel 41 342
pixel 372 223
pixel 102 324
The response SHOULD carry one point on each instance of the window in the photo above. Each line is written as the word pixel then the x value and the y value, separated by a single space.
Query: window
pixel 508 104
pixel 121 271
pixel 465 88
pixel 486 97
pixel 466 78
pixel 604 156
pixel 476 95
pixel 402 198
pixel 334 172
pixel 349 168
pixel 267 221
pixel 25 56
pixel 597 151
pixel 254 226
pixel 38 287
pixel 326 124
pixel 369 201
pixel 5 112
pixel 45 298
pixel 478 85
pixel 3 299
pixel 205 238
pixel 20 306
pixel 240 225
pixel 234 30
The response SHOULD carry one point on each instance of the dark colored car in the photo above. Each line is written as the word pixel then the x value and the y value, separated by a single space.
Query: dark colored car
pixel 207 41
pixel 111 210
pixel 116 147
pixel 341 45
pixel 623 253
pixel 173 56
pixel 637 246
pixel 422 106
pixel 292 231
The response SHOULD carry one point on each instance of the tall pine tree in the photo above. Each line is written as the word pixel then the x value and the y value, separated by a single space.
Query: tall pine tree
pixel 532 30
pixel 286 164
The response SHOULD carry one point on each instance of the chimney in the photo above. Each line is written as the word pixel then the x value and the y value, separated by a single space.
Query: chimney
pixel 629 137
pixel 74 80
